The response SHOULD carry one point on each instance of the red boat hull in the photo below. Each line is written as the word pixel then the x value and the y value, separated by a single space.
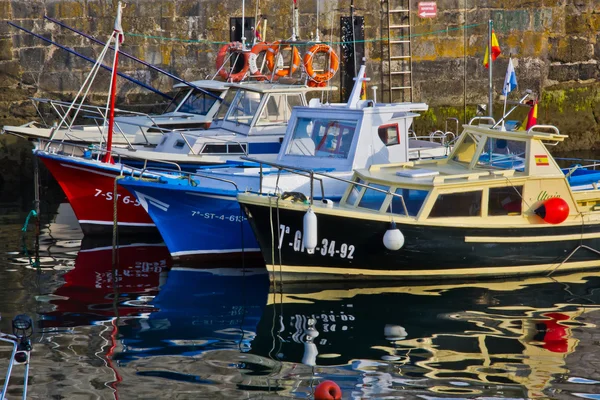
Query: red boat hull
pixel 90 187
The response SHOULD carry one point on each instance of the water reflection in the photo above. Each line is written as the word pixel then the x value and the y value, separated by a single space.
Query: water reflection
pixel 141 325
pixel 469 339
pixel 198 310
pixel 97 289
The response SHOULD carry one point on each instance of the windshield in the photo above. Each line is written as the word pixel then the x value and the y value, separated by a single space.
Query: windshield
pixel 198 102
pixel 278 108
pixel 322 137
pixel 177 98
pixel 243 107
pixel 499 153
pixel 224 107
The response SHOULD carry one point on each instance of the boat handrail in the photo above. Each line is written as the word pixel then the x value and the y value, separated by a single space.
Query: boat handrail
pixel 87 107
pixel 555 135
pixel 312 174
pixel 101 151
pixel 482 118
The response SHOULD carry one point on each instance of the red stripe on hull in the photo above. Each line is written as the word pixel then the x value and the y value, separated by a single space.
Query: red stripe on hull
pixel 90 191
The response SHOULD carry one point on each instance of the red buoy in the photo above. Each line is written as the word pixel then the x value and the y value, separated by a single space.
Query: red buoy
pixel 328 390
pixel 554 210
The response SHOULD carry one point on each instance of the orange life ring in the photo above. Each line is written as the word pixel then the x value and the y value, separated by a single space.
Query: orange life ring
pixel 274 51
pixel 233 47
pixel 334 63
pixel 253 56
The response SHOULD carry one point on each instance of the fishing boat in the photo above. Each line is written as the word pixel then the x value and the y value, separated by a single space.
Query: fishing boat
pixel 192 107
pixel 251 120
pixel 254 120
pixel 499 205
pixel 200 217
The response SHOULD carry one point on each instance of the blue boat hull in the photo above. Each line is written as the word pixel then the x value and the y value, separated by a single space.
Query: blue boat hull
pixel 197 224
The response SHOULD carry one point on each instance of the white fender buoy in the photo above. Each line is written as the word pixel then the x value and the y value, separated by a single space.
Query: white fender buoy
pixel 393 238
pixel 309 237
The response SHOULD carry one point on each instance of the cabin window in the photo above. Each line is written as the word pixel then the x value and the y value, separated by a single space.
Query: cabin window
pixel 225 104
pixel 278 108
pixel 465 151
pixel 244 107
pixel 502 153
pixel 214 149
pixel 389 134
pixel 373 199
pixel 177 99
pixel 179 143
pixel 505 200
pixel 354 193
pixel 462 204
pixel 199 102
pixel 319 137
pixel 413 199
pixel 236 148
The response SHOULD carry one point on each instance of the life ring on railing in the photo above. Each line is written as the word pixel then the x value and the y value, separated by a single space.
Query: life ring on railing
pixel 334 63
pixel 232 47
pixel 274 52
pixel 253 57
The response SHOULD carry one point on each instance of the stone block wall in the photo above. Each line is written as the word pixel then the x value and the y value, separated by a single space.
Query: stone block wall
pixel 554 44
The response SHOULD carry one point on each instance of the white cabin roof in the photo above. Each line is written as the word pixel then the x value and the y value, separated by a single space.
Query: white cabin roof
pixel 266 87
pixel 208 84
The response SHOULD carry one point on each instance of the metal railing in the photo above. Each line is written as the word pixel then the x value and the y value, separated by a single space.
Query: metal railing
pixel 312 175
pixel 22 327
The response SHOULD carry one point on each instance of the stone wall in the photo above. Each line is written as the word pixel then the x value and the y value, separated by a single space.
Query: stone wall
pixel 554 44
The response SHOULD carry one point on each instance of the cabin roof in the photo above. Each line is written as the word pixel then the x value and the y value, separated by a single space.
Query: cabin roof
pixel 205 84
pixel 265 87
pixel 428 173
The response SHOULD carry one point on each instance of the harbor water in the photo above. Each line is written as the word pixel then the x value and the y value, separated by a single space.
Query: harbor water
pixel 135 324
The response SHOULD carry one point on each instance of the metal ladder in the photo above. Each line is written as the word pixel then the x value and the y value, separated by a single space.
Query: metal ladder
pixel 400 83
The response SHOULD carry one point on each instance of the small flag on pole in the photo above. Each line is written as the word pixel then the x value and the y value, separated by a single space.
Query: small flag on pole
pixel 531 119
pixel 510 80
pixel 495 51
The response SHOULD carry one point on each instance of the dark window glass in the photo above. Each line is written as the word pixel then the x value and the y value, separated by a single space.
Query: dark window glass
pixel 505 200
pixel 237 148
pixel 413 199
pixel 179 144
pixel 463 204
pixel 215 148
pixel 389 134
pixel 373 199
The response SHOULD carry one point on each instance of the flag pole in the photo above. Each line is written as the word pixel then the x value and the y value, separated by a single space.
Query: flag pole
pixel 491 26
pixel 505 97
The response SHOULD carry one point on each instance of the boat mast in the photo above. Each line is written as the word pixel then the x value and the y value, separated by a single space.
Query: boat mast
pixel 295 25
pixel 117 35
pixel 490 64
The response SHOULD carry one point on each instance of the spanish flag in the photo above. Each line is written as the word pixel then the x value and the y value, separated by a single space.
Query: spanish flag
pixel 531 119
pixel 495 50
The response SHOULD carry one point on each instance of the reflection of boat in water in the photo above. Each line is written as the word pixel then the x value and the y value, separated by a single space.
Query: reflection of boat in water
pixel 62 234
pixel 95 291
pixel 471 338
pixel 196 311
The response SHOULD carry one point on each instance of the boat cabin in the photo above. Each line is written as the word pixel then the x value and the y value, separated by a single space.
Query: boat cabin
pixel 502 176
pixel 347 136
pixel 251 119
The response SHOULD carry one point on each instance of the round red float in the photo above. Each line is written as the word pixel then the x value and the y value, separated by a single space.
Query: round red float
pixel 554 210
pixel 328 390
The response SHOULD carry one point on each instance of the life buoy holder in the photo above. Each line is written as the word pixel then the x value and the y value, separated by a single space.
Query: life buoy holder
pixel 274 51
pixel 222 56
pixel 262 47
pixel 334 63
